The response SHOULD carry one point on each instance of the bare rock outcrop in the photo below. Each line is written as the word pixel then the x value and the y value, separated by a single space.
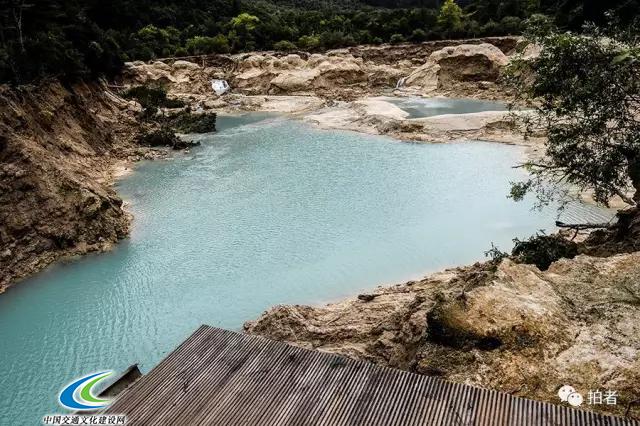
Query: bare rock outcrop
pixel 517 329
pixel 345 74
pixel 379 116
pixel 455 65
pixel 179 77
pixel 324 74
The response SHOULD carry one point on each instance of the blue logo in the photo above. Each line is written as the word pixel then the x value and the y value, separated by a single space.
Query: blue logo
pixel 77 395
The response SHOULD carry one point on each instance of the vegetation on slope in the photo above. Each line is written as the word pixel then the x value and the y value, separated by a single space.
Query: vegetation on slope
pixel 79 38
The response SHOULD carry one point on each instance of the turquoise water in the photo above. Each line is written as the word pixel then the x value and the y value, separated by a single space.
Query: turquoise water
pixel 267 211
pixel 429 107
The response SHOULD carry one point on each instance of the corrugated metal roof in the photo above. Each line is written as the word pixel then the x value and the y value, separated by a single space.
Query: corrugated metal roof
pixel 219 377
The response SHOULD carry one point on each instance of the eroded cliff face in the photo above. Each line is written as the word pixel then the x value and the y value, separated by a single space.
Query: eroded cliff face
pixel 517 330
pixel 57 148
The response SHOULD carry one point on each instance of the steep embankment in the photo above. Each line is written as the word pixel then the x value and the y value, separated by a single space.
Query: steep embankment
pixel 58 146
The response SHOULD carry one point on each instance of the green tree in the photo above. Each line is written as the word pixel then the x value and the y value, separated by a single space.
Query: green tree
pixel 450 18
pixel 418 36
pixel 244 26
pixel 585 94
pixel 397 39
pixel 309 42
pixel 206 45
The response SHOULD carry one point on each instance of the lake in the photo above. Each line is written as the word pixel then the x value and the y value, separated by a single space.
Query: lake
pixel 267 211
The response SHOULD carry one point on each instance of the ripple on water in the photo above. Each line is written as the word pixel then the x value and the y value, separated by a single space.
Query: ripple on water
pixel 271 212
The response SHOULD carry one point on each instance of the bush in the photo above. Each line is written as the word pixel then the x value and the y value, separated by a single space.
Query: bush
pixel 364 37
pixel 332 39
pixel 147 96
pixel 309 42
pixel 511 25
pixel 496 256
pixel 490 29
pixel 159 137
pixel 207 45
pixel 181 51
pixel 418 36
pixel 187 122
pixel 397 39
pixel 542 250
pixel 284 46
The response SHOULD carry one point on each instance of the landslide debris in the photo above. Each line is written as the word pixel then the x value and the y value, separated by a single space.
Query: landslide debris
pixel 345 74
pixel 518 329
pixel 466 67
pixel 58 147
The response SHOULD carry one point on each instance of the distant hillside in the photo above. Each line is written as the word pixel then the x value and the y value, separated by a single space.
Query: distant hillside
pixel 81 38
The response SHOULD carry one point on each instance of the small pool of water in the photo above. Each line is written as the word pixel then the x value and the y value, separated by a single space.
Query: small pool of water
pixel 429 107
pixel 266 211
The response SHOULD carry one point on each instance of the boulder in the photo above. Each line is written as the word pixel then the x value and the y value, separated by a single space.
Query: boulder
pixel 463 63
pixel 177 65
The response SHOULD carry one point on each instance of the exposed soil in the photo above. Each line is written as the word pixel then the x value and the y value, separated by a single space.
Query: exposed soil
pixel 58 149
pixel 517 330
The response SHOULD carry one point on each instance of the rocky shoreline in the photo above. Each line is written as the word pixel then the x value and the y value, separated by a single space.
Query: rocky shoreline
pixel 61 150
pixel 517 330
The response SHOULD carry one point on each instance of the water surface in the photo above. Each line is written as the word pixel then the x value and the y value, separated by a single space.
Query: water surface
pixel 429 107
pixel 267 211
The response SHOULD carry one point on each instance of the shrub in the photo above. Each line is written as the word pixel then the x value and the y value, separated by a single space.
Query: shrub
pixel 207 45
pixel 147 96
pixel 511 25
pixel 284 46
pixel 418 36
pixel 187 122
pixel 496 256
pixel 152 97
pixel 309 42
pixel 159 137
pixel 542 250
pixel 397 39
pixel 181 51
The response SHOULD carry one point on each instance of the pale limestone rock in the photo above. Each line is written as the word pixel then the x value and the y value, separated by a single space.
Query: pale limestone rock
pixel 463 63
pixel 518 330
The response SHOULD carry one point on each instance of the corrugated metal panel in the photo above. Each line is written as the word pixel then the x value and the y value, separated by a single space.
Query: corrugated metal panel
pixel 218 377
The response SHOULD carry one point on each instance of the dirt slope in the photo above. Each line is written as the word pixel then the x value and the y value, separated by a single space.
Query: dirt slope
pixel 57 148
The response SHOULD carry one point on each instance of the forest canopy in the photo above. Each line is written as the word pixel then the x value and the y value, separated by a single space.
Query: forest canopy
pixel 80 38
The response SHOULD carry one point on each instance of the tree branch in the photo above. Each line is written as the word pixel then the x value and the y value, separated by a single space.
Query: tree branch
pixel 583 226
